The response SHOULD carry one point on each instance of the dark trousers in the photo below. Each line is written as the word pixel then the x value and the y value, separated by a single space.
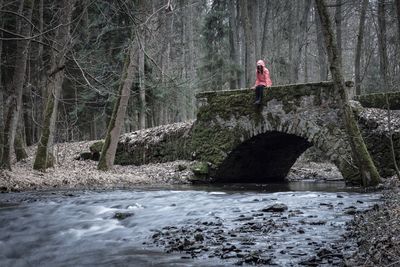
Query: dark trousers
pixel 259 93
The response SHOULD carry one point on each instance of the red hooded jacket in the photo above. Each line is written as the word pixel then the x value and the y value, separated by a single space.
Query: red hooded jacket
pixel 263 78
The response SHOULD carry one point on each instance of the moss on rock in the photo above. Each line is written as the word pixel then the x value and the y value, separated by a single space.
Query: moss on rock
pixel 96 147
pixel 379 100
pixel 201 168
pixel 95 150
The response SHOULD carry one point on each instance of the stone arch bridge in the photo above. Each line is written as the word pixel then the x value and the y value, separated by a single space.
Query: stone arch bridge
pixel 240 142
pixel 243 142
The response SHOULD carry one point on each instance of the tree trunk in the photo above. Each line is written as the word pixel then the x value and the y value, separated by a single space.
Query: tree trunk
pixel 241 45
pixel 1 92
pixel 44 154
pixel 27 117
pixel 233 45
pixel 142 88
pixel 41 76
pixel 20 139
pixel 181 104
pixel 291 37
pixel 253 10
pixel 301 41
pixel 338 23
pixel 369 174
pixel 323 69
pixel 117 119
pixel 249 43
pixel 264 37
pixel 360 38
pixel 15 109
pixel 391 145
pixel 383 67
pixel 191 67
pixel 19 146
pixel 398 21
pixel 304 22
pixel 383 56
pixel 1 118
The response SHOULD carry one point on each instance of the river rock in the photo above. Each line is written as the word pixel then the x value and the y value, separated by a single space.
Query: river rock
pixel 198 237
pixel 84 156
pixel 278 207
pixel 122 215
pixel 350 210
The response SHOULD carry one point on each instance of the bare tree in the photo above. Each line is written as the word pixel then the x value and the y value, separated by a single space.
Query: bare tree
pixel 233 44
pixel 384 71
pixel 44 154
pixel 249 41
pixel 323 69
pixel 383 56
pixel 1 92
pixel 398 21
pixel 338 23
pixel 117 119
pixel 360 38
pixel 301 41
pixel 15 108
pixel 368 172
pixel 264 35
pixel 19 146
pixel 292 33
pixel 142 87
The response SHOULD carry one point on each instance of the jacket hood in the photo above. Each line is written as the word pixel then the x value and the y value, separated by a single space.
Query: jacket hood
pixel 261 63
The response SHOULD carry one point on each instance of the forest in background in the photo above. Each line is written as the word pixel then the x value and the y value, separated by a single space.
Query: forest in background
pixel 177 48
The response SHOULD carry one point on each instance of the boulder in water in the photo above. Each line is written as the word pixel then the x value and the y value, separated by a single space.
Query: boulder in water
pixel 278 207
pixel 122 215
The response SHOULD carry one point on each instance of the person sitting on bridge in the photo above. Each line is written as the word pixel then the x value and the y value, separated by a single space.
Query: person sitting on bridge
pixel 262 80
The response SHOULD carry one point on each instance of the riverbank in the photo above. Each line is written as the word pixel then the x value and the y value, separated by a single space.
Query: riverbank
pixel 70 173
pixel 377 231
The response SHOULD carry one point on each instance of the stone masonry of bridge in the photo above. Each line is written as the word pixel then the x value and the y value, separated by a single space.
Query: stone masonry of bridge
pixel 239 142
pixel 243 142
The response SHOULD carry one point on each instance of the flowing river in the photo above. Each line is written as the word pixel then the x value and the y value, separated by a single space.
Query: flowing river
pixel 179 226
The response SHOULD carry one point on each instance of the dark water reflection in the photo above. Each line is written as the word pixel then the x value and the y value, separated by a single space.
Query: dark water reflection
pixel 78 229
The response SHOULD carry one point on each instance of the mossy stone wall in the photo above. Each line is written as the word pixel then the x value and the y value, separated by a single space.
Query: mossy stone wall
pixel 379 100
pixel 154 145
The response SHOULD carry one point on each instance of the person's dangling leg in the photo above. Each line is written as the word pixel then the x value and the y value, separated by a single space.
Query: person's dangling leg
pixel 257 95
pixel 261 94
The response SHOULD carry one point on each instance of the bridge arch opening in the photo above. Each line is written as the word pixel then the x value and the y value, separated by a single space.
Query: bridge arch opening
pixel 266 157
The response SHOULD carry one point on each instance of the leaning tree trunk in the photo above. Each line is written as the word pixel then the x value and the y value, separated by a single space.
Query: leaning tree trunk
pixel 360 37
pixel 14 110
pixel 44 154
pixel 117 119
pixel 369 174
